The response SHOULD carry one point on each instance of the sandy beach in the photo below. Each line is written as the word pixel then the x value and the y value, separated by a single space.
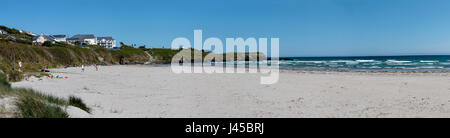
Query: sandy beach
pixel 154 91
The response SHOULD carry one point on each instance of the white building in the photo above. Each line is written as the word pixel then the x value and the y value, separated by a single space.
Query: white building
pixel 106 42
pixel 39 40
pixel 31 33
pixel 59 38
pixel 3 32
pixel 83 39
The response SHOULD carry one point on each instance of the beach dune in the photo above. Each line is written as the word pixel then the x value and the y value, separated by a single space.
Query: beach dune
pixel 154 91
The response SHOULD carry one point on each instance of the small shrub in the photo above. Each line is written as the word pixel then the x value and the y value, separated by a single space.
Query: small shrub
pixel 78 102
pixel 3 82
pixel 15 76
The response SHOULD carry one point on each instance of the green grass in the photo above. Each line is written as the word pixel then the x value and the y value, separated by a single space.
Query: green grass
pixel 77 102
pixel 162 53
pixel 30 107
pixel 165 55
pixel 14 76
pixel 33 104
pixel 62 54
pixel 3 82
pixel 72 101
pixel 22 92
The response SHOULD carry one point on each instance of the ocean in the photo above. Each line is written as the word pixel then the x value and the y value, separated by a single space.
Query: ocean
pixel 438 63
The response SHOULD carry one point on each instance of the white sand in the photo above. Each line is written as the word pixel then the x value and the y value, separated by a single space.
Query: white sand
pixel 148 91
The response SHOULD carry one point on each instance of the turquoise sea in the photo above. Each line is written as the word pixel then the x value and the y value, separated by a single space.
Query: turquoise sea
pixel 440 63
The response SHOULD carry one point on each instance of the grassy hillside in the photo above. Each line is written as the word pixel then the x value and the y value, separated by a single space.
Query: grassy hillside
pixel 36 57
pixel 163 55
pixel 16 33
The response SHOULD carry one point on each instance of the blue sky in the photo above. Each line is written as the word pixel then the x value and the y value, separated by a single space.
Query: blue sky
pixel 305 27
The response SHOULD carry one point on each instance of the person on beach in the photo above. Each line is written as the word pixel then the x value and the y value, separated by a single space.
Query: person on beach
pixel 96 67
pixel 82 68
pixel 20 66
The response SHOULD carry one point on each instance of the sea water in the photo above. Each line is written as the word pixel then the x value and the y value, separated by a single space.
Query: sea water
pixel 370 63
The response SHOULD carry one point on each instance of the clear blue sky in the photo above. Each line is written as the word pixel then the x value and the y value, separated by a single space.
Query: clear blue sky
pixel 305 27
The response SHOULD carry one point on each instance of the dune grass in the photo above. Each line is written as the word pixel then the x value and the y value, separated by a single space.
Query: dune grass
pixel 78 102
pixel 30 107
pixel 50 99
pixel 33 104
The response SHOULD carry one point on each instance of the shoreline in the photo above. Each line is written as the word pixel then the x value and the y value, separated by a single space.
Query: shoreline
pixel 299 70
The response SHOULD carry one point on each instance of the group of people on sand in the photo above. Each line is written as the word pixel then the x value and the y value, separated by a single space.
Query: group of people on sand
pixel 46 68
pixel 57 76
pixel 84 68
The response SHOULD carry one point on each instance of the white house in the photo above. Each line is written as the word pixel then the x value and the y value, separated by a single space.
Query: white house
pixel 39 40
pixel 3 32
pixel 31 33
pixel 83 38
pixel 106 42
pixel 59 38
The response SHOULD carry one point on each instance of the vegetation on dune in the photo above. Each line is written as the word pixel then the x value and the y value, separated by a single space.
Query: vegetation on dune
pixel 164 55
pixel 128 54
pixel 78 102
pixel 32 104
pixel 30 107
